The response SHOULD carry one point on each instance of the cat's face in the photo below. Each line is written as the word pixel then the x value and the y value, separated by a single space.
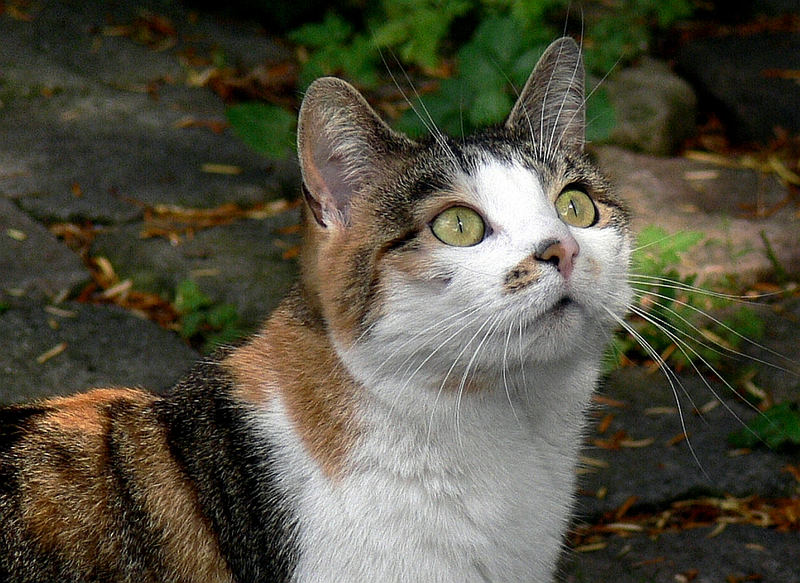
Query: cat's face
pixel 503 246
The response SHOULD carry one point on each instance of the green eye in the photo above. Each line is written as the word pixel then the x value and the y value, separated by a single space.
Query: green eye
pixel 576 208
pixel 459 226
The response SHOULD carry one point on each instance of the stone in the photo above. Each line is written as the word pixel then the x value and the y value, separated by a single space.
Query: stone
pixel 731 206
pixel 32 261
pixel 655 109
pixel 242 263
pixel 108 133
pixel 89 346
pixel 654 412
pixel 741 552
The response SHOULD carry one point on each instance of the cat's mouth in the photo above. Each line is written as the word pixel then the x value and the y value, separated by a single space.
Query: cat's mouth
pixel 561 305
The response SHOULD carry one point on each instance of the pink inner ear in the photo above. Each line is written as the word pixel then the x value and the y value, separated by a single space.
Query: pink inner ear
pixel 326 176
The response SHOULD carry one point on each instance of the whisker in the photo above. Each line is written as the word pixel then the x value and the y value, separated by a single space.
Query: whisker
pixel 683 346
pixel 423 332
pixel 671 377
pixel 452 366
pixel 427 120
pixel 665 282
pixel 467 370
pixel 736 333
pixel 433 353
pixel 505 369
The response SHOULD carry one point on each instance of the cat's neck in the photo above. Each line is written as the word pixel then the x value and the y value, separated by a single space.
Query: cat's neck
pixel 334 395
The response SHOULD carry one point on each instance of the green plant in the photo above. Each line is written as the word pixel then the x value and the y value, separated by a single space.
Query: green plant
pixel 266 128
pixel 776 427
pixel 488 46
pixel 671 318
pixel 203 322
pixel 502 41
pixel 335 47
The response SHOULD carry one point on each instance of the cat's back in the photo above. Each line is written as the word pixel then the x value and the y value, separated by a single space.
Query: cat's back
pixel 89 489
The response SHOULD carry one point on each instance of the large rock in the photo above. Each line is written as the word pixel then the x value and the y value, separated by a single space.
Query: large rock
pixel 741 552
pixel 92 123
pixel 655 109
pixel 731 206
pixel 32 261
pixel 88 346
pixel 659 466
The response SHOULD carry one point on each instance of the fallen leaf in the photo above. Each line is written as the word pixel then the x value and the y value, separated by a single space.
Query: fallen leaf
pixel 16 234
pixel 213 168
pixel 53 352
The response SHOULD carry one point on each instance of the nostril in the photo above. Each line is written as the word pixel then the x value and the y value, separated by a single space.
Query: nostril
pixel 553 254
pixel 560 254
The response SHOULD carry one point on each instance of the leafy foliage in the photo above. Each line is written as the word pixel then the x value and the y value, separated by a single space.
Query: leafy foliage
pixel 777 427
pixel 268 129
pixel 502 41
pixel 335 47
pixel 671 313
pixel 202 321
pixel 476 51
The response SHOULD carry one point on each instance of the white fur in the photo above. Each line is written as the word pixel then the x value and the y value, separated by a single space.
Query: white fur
pixel 455 485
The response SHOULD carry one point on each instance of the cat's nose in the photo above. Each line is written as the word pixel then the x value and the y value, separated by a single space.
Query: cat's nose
pixel 561 254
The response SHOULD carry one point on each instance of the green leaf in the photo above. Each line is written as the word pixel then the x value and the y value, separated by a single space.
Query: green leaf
pixel 222 316
pixel 268 129
pixel 225 336
pixel 446 108
pixel 332 30
pixel 657 250
pixel 189 298
pixel 192 324
pixel 777 426
pixel 417 27
pixel 489 107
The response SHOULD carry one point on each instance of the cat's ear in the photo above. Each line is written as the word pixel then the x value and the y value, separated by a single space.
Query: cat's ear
pixel 551 106
pixel 343 145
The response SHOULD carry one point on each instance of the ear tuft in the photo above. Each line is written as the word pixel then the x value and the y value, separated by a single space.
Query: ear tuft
pixel 551 107
pixel 343 144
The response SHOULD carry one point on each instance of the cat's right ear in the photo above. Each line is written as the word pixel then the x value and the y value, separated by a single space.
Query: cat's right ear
pixel 551 106
pixel 343 145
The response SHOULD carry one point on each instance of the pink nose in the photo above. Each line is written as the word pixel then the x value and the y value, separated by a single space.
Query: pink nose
pixel 561 254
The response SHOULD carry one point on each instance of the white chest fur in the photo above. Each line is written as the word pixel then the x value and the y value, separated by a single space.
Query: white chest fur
pixel 434 496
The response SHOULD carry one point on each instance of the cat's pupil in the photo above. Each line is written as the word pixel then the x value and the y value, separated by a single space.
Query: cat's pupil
pixel 572 207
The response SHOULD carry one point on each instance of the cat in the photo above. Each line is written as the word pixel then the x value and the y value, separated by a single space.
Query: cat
pixel 412 411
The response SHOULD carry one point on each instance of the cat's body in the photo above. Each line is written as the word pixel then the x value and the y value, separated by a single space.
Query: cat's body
pixel 411 412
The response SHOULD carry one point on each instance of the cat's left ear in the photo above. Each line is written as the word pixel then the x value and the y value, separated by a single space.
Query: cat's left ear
pixel 552 107
pixel 343 145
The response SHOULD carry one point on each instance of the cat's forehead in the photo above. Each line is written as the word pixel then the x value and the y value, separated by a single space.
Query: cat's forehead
pixel 481 167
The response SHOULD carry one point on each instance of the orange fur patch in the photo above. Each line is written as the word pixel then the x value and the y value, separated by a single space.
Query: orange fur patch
pixel 189 544
pixel 70 498
pixel 84 411
pixel 297 363
pixel 525 273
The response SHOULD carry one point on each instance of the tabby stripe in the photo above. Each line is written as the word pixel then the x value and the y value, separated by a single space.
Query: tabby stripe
pixel 211 438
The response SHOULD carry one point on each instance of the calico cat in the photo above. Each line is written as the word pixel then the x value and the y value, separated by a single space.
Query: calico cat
pixel 411 412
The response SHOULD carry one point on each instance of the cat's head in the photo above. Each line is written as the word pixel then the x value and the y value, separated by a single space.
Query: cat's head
pixel 506 244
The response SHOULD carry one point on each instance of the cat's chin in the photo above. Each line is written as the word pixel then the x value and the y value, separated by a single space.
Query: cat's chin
pixel 559 329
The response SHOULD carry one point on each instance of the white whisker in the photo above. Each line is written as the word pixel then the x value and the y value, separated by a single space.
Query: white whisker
pixel 467 369
pixel 727 328
pixel 671 377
